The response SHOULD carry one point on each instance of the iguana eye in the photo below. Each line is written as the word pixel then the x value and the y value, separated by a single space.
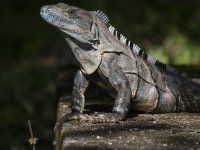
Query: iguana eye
pixel 71 12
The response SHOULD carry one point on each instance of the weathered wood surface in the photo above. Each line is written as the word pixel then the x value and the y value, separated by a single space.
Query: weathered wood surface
pixel 143 131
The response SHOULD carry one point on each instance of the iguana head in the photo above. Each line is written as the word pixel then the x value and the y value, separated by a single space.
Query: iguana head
pixel 77 23
pixel 80 30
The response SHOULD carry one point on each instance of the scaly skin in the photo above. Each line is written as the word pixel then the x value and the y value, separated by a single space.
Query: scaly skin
pixel 130 77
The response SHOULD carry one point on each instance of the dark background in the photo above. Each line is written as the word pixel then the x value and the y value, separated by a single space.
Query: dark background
pixel 31 52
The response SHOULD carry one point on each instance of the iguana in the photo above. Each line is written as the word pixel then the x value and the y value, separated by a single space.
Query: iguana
pixel 136 80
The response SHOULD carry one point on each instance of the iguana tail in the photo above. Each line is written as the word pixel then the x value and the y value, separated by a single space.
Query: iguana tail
pixel 191 95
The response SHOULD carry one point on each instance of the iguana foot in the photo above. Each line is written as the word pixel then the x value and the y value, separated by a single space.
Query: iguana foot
pixel 93 118
pixel 74 116
pixel 104 118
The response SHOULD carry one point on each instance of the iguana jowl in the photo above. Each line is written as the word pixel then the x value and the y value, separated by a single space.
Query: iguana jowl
pixel 136 81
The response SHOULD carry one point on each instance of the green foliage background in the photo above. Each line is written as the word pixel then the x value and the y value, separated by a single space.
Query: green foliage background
pixel 167 29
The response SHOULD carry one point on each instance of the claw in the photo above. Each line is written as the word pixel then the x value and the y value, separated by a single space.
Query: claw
pixel 78 117
pixel 99 118
pixel 105 118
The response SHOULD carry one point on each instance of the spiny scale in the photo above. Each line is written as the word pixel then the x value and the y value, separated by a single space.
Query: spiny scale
pixel 102 16
pixel 135 48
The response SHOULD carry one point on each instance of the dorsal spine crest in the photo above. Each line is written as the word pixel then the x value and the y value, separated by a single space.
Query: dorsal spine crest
pixel 132 46
pixel 102 16
pixel 137 50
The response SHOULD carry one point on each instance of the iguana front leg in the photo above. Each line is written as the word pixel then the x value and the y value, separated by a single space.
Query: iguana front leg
pixel 122 102
pixel 120 83
pixel 78 99
pixel 79 88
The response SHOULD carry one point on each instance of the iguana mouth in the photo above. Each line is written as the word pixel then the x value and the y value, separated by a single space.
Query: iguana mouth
pixel 73 28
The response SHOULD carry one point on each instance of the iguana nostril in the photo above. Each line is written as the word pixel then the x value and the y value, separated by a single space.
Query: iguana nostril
pixel 42 11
